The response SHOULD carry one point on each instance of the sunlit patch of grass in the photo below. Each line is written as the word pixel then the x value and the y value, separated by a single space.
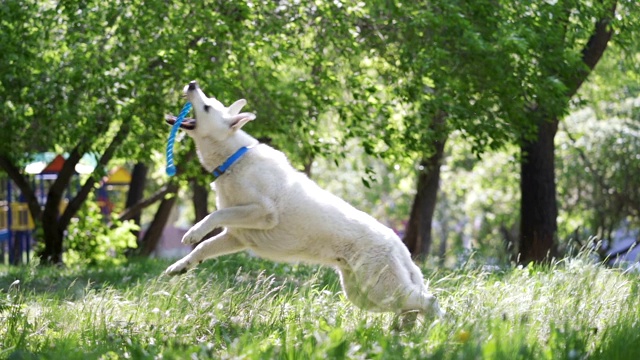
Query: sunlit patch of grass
pixel 242 307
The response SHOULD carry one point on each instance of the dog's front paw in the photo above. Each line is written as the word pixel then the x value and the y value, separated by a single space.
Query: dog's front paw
pixel 179 267
pixel 191 237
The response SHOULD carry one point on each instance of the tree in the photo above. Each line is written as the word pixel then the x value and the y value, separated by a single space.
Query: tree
pixel 86 73
pixel 500 72
pixel 112 69
pixel 319 75
pixel 596 186
pixel 442 60
pixel 568 58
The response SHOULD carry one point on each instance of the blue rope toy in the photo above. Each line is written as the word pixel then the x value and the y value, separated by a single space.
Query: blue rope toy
pixel 171 168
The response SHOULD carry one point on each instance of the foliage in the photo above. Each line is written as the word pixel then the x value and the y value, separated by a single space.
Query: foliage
pixel 369 184
pixel 21 61
pixel 597 147
pixel 484 64
pixel 599 187
pixel 103 72
pixel 256 309
pixel 324 77
pixel 292 75
pixel 495 71
pixel 91 240
pixel 492 67
pixel 477 207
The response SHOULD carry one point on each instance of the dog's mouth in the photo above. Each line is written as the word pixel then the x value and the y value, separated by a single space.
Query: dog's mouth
pixel 187 123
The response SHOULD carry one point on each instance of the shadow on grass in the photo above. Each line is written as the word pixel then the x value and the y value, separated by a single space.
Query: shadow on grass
pixel 70 283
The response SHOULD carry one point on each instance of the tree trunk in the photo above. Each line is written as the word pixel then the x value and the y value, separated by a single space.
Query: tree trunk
pixel 53 238
pixel 154 232
pixel 444 232
pixel 200 206
pixel 52 229
pixel 200 197
pixel 418 236
pixel 136 190
pixel 538 207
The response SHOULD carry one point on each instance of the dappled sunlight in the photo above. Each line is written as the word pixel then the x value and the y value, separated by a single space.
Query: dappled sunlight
pixel 573 294
pixel 236 308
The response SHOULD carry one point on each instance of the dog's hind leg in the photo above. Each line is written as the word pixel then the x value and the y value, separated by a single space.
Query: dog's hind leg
pixel 395 285
pixel 221 244
pixel 353 290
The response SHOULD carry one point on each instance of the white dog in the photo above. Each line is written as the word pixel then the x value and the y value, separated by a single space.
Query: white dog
pixel 267 206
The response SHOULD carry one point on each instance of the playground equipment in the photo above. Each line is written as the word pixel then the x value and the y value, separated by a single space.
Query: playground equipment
pixel 16 227
pixel 16 224
pixel 112 193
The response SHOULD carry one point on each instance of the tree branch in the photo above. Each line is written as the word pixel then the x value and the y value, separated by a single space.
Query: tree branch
pixel 75 204
pixel 60 183
pixel 132 211
pixel 593 49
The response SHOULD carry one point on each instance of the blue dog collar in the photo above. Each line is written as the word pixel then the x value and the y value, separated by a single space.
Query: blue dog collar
pixel 232 159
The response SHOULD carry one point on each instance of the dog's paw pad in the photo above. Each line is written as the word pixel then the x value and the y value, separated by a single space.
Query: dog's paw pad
pixel 177 269
pixel 190 239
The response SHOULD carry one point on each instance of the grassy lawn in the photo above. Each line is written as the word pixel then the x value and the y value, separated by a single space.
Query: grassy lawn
pixel 241 307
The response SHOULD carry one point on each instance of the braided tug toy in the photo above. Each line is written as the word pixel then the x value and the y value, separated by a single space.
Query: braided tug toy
pixel 171 168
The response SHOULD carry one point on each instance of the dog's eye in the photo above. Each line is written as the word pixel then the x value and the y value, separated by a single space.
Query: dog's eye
pixel 206 108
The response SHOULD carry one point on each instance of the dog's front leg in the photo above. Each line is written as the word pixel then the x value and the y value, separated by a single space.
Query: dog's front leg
pixel 221 244
pixel 252 216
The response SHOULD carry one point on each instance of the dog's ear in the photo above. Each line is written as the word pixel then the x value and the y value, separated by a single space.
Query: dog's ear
pixel 235 108
pixel 238 121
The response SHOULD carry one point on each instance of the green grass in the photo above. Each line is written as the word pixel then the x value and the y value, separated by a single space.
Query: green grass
pixel 242 307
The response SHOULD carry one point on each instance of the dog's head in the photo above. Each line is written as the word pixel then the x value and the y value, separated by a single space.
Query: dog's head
pixel 212 118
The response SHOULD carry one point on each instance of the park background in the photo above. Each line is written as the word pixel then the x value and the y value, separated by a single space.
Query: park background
pixel 493 136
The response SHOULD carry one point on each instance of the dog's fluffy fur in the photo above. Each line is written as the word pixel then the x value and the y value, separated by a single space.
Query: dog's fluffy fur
pixel 265 205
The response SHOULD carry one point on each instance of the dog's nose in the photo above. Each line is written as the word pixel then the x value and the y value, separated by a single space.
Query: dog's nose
pixel 193 85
